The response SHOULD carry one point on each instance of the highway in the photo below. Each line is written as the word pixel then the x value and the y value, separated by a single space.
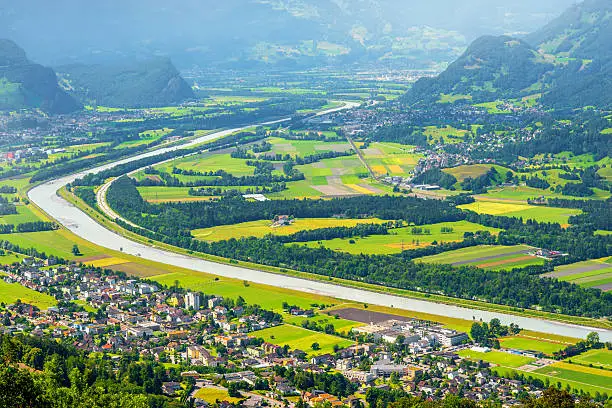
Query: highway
pixel 45 196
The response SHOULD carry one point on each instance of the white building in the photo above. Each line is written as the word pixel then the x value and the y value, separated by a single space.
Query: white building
pixel 193 301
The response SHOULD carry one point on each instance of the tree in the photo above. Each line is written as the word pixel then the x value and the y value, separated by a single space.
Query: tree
pixel 315 346
pixel 75 250
pixel 592 339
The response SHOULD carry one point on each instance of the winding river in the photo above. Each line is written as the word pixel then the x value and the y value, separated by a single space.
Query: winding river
pixel 71 217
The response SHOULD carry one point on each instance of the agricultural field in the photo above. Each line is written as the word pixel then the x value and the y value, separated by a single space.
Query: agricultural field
pixel 473 170
pixel 24 214
pixel 302 339
pixel 487 257
pixel 596 273
pixel 208 162
pixel 304 148
pixel 56 243
pixel 402 239
pixel 145 137
pixel 497 357
pixel 447 134
pixel 391 159
pixel 598 358
pixel 268 297
pixel 264 227
pixel 524 211
pixel 214 394
pixel 11 292
pixel 341 325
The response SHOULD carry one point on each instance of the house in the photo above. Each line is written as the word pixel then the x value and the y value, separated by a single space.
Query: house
pixel 170 388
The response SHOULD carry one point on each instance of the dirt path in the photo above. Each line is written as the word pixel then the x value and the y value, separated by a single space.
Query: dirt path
pixel 361 158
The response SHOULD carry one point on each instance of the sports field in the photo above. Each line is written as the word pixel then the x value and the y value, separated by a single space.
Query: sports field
pixel 402 238
pixel 524 211
pixel 597 358
pixel 265 227
pixel 302 339
pixel 586 375
pixel 525 343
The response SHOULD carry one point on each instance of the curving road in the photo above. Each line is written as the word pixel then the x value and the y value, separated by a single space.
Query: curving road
pixel 45 196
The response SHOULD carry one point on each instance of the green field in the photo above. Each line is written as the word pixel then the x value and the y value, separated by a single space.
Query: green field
pixel 524 343
pixel 574 383
pixel 473 170
pixel 306 147
pixel 341 325
pixel 10 292
pixel 401 238
pixel 209 162
pixel 268 297
pixel 24 214
pixel 264 227
pixel 497 357
pixel 598 358
pixel 592 273
pixel 593 377
pixel 448 134
pixel 55 243
pixel 470 253
pixel 539 214
pixel 391 159
pixel 212 395
pixel 302 339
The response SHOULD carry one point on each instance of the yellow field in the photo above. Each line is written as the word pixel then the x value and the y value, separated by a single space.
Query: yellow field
pixel 264 227
pixel 359 189
pixel 103 263
pixel 395 169
pixel 495 208
pixel 379 169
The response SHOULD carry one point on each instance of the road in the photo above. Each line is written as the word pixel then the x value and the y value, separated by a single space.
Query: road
pixel 45 196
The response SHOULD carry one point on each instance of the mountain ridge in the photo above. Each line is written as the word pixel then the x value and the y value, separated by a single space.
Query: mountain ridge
pixel 567 63
pixel 149 83
pixel 24 84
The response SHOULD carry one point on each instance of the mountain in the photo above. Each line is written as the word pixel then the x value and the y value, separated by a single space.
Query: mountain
pixel 250 33
pixel 567 63
pixel 583 31
pixel 582 39
pixel 24 84
pixel 491 67
pixel 148 83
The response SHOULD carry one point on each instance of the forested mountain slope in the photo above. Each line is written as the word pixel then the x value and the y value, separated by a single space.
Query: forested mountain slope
pixel 24 84
pixel 134 84
pixel 567 63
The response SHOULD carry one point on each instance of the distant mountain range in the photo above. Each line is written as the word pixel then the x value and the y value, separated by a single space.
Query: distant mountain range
pixel 567 63
pixel 255 33
pixel 135 84
pixel 24 84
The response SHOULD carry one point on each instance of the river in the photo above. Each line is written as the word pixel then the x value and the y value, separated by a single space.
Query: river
pixel 78 222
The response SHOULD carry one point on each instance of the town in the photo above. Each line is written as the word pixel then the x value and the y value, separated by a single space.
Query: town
pixel 213 344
